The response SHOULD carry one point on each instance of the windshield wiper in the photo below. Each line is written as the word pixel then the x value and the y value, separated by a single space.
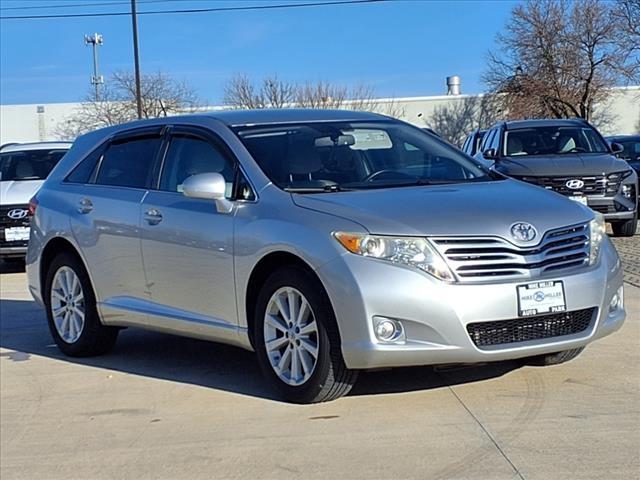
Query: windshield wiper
pixel 325 189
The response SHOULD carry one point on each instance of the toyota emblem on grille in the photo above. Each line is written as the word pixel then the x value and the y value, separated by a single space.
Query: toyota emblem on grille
pixel 17 213
pixel 525 232
pixel 574 184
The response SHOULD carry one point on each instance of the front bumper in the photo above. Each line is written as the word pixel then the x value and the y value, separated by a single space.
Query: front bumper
pixel 13 251
pixel 618 208
pixel 435 314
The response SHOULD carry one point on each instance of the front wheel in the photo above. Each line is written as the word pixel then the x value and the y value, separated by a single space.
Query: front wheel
pixel 297 339
pixel 71 310
pixel 625 229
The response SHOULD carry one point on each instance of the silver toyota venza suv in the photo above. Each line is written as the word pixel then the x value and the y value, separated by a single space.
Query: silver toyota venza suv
pixel 326 241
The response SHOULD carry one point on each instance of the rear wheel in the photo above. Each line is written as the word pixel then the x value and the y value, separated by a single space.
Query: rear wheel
pixel 71 310
pixel 297 339
pixel 625 229
pixel 554 358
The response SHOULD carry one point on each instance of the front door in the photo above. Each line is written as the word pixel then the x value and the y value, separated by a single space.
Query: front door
pixel 187 245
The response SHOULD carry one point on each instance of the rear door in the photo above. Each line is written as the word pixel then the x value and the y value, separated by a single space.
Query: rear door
pixel 187 244
pixel 107 189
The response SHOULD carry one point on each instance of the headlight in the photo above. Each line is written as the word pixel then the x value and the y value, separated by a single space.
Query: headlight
pixel 597 231
pixel 413 251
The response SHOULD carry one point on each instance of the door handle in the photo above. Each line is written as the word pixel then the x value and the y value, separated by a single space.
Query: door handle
pixel 153 216
pixel 85 206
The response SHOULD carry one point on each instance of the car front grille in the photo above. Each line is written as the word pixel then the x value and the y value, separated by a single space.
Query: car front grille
pixel 592 185
pixel 488 334
pixel 476 259
pixel 8 222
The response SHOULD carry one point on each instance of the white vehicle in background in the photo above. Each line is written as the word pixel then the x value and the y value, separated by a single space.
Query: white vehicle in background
pixel 23 169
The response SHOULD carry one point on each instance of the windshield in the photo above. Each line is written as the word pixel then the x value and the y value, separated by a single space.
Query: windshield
pixel 331 156
pixel 28 165
pixel 552 141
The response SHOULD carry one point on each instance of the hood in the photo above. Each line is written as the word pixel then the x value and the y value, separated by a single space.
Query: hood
pixel 571 165
pixel 18 192
pixel 488 208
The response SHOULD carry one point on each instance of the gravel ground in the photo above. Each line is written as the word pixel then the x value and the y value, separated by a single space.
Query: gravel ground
pixel 629 250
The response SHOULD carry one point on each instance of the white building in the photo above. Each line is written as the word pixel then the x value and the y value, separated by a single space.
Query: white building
pixel 32 123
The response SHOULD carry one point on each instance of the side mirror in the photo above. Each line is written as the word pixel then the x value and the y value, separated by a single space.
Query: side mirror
pixel 616 147
pixel 208 186
pixel 490 154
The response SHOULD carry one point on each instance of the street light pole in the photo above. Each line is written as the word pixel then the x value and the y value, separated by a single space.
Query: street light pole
pixel 95 40
pixel 136 56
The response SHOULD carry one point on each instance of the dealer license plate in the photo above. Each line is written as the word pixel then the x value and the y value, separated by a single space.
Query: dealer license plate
pixel 16 234
pixel 580 199
pixel 541 297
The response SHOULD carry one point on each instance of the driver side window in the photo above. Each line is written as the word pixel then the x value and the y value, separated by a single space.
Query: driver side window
pixel 190 155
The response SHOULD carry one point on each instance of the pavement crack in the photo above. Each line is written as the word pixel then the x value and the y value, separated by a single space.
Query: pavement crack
pixel 488 434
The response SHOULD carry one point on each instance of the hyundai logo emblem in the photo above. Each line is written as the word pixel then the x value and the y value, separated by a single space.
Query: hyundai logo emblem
pixel 574 184
pixel 17 213
pixel 525 232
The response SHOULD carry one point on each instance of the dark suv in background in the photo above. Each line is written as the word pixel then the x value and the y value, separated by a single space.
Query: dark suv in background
pixel 630 149
pixel 569 157
pixel 472 143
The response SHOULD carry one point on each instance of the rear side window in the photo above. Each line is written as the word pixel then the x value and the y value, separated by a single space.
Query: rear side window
pixel 84 170
pixel 129 163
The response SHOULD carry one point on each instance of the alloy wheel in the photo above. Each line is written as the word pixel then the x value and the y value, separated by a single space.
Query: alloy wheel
pixel 67 304
pixel 291 336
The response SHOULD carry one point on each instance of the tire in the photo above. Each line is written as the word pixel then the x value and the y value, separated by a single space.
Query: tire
pixel 554 358
pixel 329 378
pixel 625 229
pixel 91 337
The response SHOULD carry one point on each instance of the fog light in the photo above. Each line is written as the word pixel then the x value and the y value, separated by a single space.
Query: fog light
pixel 617 302
pixel 388 330
pixel 627 191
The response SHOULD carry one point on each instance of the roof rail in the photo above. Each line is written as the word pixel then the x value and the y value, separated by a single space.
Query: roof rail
pixel 8 144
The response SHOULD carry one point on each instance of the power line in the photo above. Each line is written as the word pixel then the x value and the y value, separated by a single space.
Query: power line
pixel 93 4
pixel 196 10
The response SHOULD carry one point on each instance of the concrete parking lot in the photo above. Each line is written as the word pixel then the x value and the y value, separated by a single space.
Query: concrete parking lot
pixel 166 407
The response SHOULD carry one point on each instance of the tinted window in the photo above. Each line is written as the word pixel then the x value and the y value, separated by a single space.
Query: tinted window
pixel 631 149
pixel 319 156
pixel 129 163
pixel 243 189
pixel 487 139
pixel 553 141
pixel 495 141
pixel 82 173
pixel 28 165
pixel 188 155
pixel 465 145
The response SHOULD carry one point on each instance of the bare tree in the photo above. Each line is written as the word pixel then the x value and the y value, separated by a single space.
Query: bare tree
pixel 241 92
pixel 272 92
pixel 161 96
pixel 454 120
pixel 559 58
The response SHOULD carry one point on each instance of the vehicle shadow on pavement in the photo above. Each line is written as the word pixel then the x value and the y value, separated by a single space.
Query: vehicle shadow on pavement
pixel 14 266
pixel 23 330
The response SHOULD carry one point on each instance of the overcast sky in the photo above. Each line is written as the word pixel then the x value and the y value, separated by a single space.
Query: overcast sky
pixel 401 48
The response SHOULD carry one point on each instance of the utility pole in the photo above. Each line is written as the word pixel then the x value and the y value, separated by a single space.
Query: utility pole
pixel 136 56
pixel 95 41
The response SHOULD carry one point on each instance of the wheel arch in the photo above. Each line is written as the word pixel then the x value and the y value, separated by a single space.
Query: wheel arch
pixel 52 248
pixel 261 271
